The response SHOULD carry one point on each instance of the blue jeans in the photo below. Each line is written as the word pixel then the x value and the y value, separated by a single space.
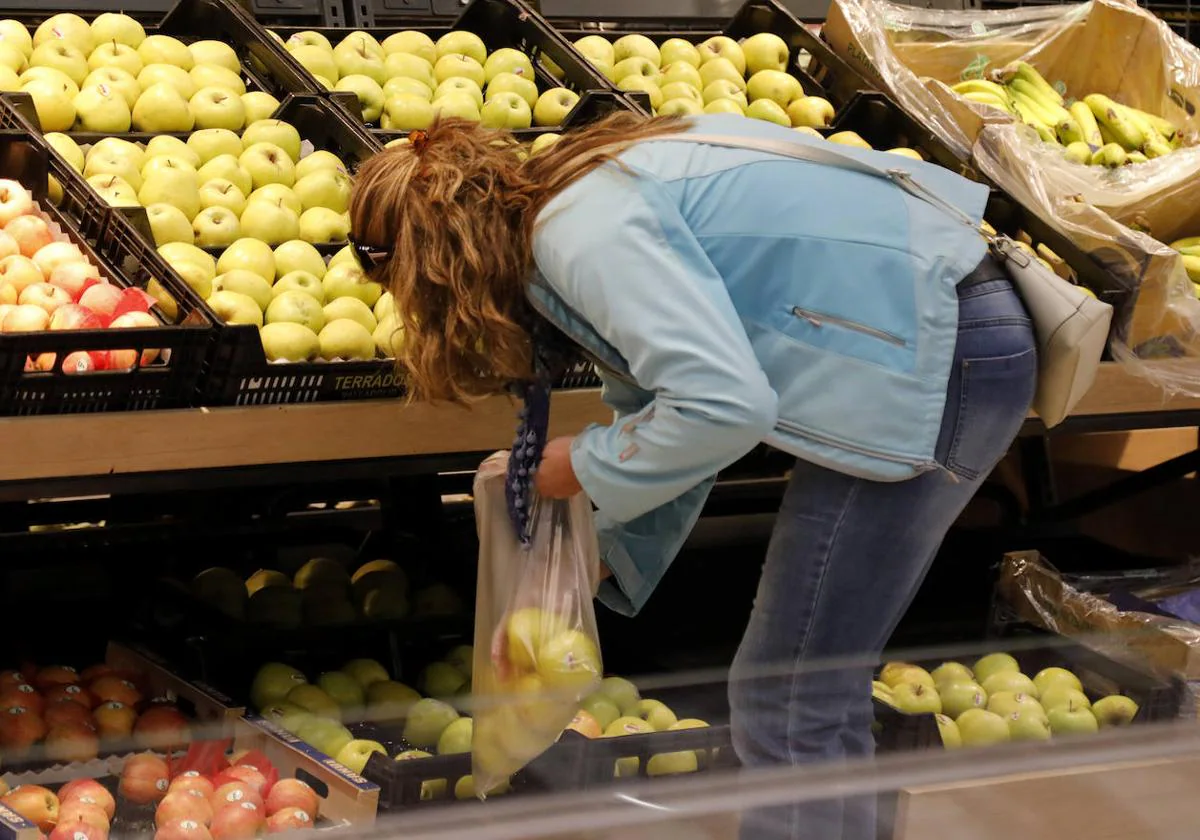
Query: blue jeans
pixel 845 560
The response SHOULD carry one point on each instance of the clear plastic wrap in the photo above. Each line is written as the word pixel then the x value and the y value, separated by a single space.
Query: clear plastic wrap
pixel 537 651
pixel 1110 47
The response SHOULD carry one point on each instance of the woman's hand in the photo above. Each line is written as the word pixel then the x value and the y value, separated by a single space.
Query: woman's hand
pixel 555 478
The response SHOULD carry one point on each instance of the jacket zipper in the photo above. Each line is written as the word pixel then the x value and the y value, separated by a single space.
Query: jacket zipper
pixel 819 319
pixel 919 466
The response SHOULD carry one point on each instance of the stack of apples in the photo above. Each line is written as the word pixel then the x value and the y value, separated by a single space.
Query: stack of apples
pixel 48 283
pixel 61 715
pixel 109 77
pixel 993 702
pixel 217 186
pixel 408 79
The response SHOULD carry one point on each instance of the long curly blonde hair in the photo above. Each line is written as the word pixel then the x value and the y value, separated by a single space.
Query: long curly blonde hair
pixel 457 209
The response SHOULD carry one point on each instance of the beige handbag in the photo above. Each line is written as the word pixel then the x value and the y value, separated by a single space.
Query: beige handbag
pixel 1071 325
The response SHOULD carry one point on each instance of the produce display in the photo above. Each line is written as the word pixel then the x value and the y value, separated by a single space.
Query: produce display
pixel 1189 248
pixel 55 714
pixel 1094 129
pixel 48 283
pixel 108 76
pixel 322 593
pixel 237 802
pixel 408 79
pixel 993 701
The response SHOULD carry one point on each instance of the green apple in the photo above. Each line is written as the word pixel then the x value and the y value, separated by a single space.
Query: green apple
pixel 1005 703
pixel 266 577
pixel 636 66
pixel 217 107
pixel 413 42
pixel 725 89
pixel 915 698
pixel 568 659
pixel 172 185
pixel 644 85
pixel 456 738
pixel 343 688
pixel 168 224
pixel 179 253
pixel 222 193
pixel 369 93
pixel 223 590
pixel 61 56
pixel 441 679
pixel 389 701
pixel 167 74
pixel 272 683
pixel 278 194
pixel 1061 695
pixel 13 58
pixel 354 755
pixel 315 700
pixel 979 727
pixel 225 168
pixel 327 188
pixel 109 162
pixel 300 281
pixel 1070 719
pixel 948 731
pixel 680 108
pixel 166 165
pixel 951 672
pixel 259 105
pixel 247 283
pixel 235 308
pixel 507 60
pixel 355 310
pixel 308 38
pixel 768 111
pixel 810 111
pixel 53 102
pixel 163 49
pixel 355 56
pixel 115 54
pixel 553 106
pixel 957 697
pixel 656 714
pixel 543 142
pixel 317 161
pixel 161 109
pixel 366 671
pixel 723 47
pixel 457 105
pixel 621 692
pixel 774 85
pixel 288 716
pixel 1013 681
pixel 322 225
pixel 765 51
pixel 118 80
pixel 344 256
pixel 603 709
pixel 596 48
pixel 115 190
pixel 724 106
pixel 721 69
pixel 407 112
pixel 271 222
pixel 268 163
pixel 1114 710
pixel 388 338
pixel 627 725
pixel 9 81
pixel 677 50
pixel 345 339
pixel 1028 724
pixel 250 255
pixel 121 28
pixel 324 576
pixel 14 32
pixel 278 132
pixel 451 66
pixel 296 307
pixel 297 255
pixel 427 720
pixel 462 657
pixel 994 663
pixel 216 227
pixel 682 72
pixel 214 142
pixel 115 147
pixel 510 83
pixel 636 46
pixel 408 66
pixel 898 673
pixel 507 110
pixel 326 735
pixel 172 147
pixel 459 42
pixel 672 764
pixel 681 90
pixel 217 54
pixel 1051 677
pixel 461 85
pixel 50 74
pixel 402 84
pixel 317 61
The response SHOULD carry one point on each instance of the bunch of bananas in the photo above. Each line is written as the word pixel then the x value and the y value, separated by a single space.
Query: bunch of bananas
pixel 1043 254
pixel 1094 130
pixel 1189 248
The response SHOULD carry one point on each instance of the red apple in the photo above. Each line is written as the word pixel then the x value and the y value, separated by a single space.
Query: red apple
pixel 78 831
pixel 8 245
pixel 192 783
pixel 124 359
pixel 76 810
pixel 50 257
pixel 72 742
pixel 46 678
pixel 75 278
pixel 15 201
pixel 20 272
pixel 243 821
pixel 250 775
pixel 183 830
pixel 88 791
pixel 144 779
pixel 25 319
pixel 293 793
pixel 234 793
pixel 163 728
pixel 35 803
pixel 91 672
pixel 46 295
pixel 113 719
pixel 66 712
pixel 182 805
pixel 22 696
pixel 101 298
pixel 31 233
pixel 112 687
pixel 74 693
pixel 288 819
pixel 20 730
pixel 73 316
pixel 10 678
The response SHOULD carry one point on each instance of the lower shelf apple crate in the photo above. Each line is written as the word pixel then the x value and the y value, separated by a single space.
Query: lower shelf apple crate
pixel 1043 689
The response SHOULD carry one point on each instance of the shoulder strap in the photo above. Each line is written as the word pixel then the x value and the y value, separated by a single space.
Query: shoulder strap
pixel 831 157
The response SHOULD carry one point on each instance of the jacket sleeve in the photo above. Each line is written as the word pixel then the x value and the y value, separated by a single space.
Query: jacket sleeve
pixel 625 260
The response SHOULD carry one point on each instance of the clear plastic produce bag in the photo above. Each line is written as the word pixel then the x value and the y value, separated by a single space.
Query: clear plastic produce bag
pixel 537 651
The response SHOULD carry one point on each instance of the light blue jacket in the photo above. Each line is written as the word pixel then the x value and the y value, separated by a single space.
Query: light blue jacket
pixel 733 297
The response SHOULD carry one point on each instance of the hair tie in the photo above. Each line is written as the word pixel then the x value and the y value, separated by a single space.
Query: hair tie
pixel 419 140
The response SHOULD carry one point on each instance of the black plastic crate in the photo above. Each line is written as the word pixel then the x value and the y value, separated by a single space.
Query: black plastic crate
pixel 1158 698
pixel 110 242
pixel 293 12
pixel 819 70
pixel 300 12
pixel 500 23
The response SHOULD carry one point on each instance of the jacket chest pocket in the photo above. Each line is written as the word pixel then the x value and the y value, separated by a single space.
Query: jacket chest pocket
pixel 847 336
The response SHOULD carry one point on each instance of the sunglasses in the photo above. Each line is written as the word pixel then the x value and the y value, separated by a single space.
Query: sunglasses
pixel 370 257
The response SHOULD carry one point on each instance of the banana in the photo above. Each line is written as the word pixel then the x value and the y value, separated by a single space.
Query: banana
pixel 1122 129
pixel 1156 146
pixel 1137 157
pixel 1162 125
pixel 981 86
pixel 1193 251
pixel 1186 242
pixel 1111 155
pixel 1056 263
pixel 1026 72
pixel 1079 152
pixel 1051 112
pixel 987 228
pixel 1069 131
pixel 1026 247
pixel 1032 120
pixel 1196 288
pixel 989 99
pixel 1087 123
pixel 1192 266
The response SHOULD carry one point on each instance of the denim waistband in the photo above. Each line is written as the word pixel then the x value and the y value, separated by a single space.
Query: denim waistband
pixel 987 271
